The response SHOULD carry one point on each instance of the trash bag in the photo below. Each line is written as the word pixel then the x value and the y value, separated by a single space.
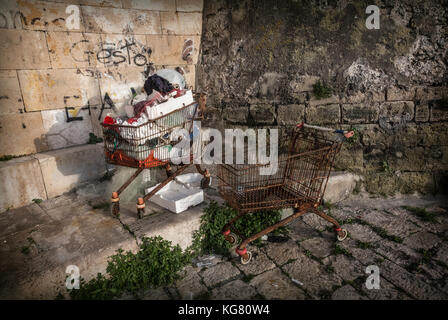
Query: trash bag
pixel 174 77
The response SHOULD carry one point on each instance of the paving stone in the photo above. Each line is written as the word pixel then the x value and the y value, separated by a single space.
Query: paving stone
pixel 434 270
pixel 281 253
pixel 219 273
pixel 312 275
pixel 362 233
pixel 236 289
pixel 315 221
pixel 390 223
pixel 422 240
pixel 299 231
pixel 397 252
pixel 343 213
pixel 21 219
pixel 190 285
pixel 346 292
pixel 365 256
pixel 387 291
pixel 274 284
pixel 319 247
pixel 259 263
pixel 347 268
pixel 409 282
pixel 156 294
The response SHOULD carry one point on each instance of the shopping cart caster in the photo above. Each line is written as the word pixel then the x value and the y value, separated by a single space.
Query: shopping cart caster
pixel 140 208
pixel 115 204
pixel 341 234
pixel 206 180
pixel 231 237
pixel 246 256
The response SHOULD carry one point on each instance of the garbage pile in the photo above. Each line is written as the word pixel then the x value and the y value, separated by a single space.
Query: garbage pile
pixel 163 92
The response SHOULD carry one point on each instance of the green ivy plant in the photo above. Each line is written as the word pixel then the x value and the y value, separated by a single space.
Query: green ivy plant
pixel 156 263
pixel 209 238
pixel 321 90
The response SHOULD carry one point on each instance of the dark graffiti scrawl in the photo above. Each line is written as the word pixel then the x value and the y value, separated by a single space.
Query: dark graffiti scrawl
pixel 109 53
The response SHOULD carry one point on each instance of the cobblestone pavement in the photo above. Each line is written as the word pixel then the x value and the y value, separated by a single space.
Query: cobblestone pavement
pixel 410 249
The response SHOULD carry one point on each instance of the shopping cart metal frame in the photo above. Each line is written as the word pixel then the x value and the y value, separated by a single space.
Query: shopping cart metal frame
pixel 132 150
pixel 300 183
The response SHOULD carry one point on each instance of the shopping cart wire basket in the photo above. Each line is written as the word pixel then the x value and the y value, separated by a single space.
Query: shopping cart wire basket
pixel 299 183
pixel 149 145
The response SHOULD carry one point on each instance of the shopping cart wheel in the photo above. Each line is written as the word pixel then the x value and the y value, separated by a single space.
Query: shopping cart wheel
pixel 247 260
pixel 232 239
pixel 115 204
pixel 341 234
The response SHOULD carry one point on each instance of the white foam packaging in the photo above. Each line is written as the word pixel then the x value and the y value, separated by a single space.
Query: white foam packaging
pixel 180 194
pixel 170 105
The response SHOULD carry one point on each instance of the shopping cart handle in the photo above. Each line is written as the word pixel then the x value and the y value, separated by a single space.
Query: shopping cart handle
pixel 349 134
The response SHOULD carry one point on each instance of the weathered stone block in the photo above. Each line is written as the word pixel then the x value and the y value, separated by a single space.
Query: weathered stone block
pixel 172 49
pixel 73 49
pixel 323 114
pixel 439 110
pixel 399 94
pixel 290 114
pixel 49 89
pixel 112 20
pixel 64 169
pixel 156 5
pixel 359 113
pixel 304 83
pixel 22 49
pixel 118 81
pixel 22 134
pixel 20 182
pixel 421 112
pixel 431 93
pixel 180 23
pixel 340 185
pixel 123 51
pixel 48 16
pixel 395 111
pixel 263 113
pixel 238 114
pixel 10 95
pixel 318 102
pixel 60 134
pixel 99 3
pixel 190 5
pixel 359 97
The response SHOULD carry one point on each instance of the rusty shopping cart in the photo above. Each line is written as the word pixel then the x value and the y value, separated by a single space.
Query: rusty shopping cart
pixel 149 145
pixel 298 183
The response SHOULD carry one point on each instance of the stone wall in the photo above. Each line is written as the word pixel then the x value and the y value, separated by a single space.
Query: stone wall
pixel 260 59
pixel 46 65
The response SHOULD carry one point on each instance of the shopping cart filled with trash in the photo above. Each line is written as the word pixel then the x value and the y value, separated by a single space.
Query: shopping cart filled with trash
pixel 150 145
pixel 299 182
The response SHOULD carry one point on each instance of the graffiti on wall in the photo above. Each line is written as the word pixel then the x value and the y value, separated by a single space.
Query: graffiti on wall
pixel 110 53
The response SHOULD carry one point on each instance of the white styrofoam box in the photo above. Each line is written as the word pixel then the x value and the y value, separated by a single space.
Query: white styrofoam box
pixel 169 106
pixel 190 180
pixel 179 194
